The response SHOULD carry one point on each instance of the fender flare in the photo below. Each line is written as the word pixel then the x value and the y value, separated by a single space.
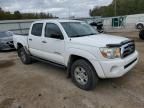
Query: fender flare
pixel 82 54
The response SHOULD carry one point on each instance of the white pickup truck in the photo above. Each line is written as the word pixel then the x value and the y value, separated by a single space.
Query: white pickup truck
pixel 75 45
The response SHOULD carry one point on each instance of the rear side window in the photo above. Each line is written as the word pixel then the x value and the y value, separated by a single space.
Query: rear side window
pixel 37 29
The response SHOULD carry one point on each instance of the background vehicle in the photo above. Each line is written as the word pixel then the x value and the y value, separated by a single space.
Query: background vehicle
pixel 95 22
pixel 140 25
pixel 76 46
pixel 98 26
pixel 6 40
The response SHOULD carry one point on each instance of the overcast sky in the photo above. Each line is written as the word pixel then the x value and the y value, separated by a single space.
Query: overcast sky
pixel 60 8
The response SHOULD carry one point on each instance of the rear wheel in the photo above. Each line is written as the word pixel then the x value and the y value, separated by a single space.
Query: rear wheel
pixel 25 58
pixel 84 75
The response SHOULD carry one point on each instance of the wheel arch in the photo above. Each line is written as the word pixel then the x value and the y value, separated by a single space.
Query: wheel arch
pixel 72 59
pixel 19 45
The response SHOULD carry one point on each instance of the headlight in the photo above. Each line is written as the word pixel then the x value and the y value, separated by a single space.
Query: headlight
pixel 110 53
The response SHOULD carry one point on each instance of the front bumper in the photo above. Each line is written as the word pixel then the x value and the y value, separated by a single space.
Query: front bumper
pixel 119 67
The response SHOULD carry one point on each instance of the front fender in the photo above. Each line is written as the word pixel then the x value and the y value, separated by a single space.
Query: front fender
pixel 82 53
pixel 88 56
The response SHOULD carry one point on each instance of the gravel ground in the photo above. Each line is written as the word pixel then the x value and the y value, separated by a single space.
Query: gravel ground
pixel 41 85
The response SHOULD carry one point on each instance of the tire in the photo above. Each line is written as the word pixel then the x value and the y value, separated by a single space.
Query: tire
pixel 141 34
pixel 140 26
pixel 25 58
pixel 89 75
pixel 100 31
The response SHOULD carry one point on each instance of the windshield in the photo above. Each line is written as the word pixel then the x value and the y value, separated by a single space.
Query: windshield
pixel 5 34
pixel 78 29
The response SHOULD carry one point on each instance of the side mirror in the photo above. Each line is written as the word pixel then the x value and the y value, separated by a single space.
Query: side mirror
pixel 57 36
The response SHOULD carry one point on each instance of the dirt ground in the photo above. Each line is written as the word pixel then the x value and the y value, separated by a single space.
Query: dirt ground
pixel 41 85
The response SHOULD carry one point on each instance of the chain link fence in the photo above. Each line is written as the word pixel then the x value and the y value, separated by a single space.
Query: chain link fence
pixel 122 23
pixel 16 26
pixel 111 24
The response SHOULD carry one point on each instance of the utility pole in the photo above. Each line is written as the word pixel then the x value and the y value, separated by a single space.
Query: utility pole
pixel 69 12
pixel 115 7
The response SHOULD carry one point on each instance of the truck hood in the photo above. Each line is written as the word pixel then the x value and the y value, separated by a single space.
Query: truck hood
pixel 100 40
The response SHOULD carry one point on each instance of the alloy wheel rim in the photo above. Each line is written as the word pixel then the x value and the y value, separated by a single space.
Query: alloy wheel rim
pixel 23 57
pixel 81 75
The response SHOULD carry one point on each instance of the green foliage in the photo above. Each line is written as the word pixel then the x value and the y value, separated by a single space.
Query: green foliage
pixel 124 7
pixel 4 15
pixel 17 15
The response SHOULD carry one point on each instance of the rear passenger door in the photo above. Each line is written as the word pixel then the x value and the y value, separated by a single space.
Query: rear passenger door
pixel 35 38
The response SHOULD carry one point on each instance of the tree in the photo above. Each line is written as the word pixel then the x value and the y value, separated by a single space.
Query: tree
pixel 124 7
pixel 17 15
pixel 6 15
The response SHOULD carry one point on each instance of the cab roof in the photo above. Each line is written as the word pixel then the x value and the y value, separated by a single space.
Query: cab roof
pixel 56 20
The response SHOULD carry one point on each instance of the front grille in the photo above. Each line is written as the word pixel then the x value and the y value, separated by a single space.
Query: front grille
pixel 128 49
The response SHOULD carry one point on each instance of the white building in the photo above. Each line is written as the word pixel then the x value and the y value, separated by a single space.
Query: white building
pixel 122 23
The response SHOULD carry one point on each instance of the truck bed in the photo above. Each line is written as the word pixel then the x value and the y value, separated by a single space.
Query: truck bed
pixel 20 39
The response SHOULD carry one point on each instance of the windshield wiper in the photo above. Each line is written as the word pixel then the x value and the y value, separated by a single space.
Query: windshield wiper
pixel 78 36
pixel 92 34
pixel 83 35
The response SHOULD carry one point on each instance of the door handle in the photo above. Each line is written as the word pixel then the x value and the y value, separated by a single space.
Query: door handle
pixel 44 42
pixel 30 39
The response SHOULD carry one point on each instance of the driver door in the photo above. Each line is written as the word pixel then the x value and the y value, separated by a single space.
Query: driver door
pixel 53 43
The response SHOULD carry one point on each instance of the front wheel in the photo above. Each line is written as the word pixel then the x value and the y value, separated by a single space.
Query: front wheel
pixel 25 58
pixel 84 75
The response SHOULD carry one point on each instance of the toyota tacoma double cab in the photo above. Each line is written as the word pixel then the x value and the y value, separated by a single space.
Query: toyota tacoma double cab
pixel 76 46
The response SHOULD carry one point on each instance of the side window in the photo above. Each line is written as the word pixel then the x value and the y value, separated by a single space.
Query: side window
pixel 53 31
pixel 37 29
